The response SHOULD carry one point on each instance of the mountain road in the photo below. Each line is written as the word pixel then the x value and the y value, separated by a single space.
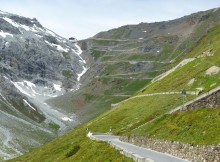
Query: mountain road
pixel 149 155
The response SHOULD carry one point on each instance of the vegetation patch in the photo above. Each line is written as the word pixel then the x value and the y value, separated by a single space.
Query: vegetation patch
pixel 67 73
pixel 96 54
pixel 66 55
pixel 72 151
pixel 53 126
pixel 195 126
pixel 121 32
pixel 88 97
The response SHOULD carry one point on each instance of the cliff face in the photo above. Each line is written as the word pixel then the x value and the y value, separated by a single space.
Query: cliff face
pixel 30 51
pixel 36 64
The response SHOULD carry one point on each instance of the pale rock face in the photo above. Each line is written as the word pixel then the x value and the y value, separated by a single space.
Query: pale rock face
pixel 212 70
pixel 190 83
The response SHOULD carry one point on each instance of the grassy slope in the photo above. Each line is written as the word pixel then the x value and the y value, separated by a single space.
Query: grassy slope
pixel 123 52
pixel 61 150
pixel 113 76
pixel 195 69
pixel 130 115
pixel 200 126
pixel 196 127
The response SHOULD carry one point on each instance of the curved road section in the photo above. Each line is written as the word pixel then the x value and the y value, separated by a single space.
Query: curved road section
pixel 139 154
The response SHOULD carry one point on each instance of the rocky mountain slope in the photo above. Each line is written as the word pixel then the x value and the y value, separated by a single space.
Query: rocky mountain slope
pixel 125 59
pixel 35 65
pixel 148 115
pixel 39 71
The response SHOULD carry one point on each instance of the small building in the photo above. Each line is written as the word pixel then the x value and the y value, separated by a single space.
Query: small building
pixel 72 39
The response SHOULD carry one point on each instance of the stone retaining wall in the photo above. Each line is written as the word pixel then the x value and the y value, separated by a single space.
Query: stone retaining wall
pixel 194 153
pixel 210 101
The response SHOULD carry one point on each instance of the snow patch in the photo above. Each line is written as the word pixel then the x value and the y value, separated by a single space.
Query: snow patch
pixel 1 12
pixel 31 90
pixel 5 77
pixel 158 51
pixel 144 31
pixel 29 83
pixel 19 86
pixel 66 119
pixel 75 88
pixel 140 38
pixel 4 34
pixel 78 51
pixel 48 43
pixel 50 32
pixel 11 22
pixel 17 25
pixel 59 47
pixel 38 35
pixel 29 104
pixel 81 74
pixel 57 87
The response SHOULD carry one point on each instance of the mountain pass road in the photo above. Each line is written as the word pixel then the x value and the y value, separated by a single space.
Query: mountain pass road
pixel 153 156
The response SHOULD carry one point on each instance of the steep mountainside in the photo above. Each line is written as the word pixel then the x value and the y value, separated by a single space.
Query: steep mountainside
pixel 35 65
pixel 148 114
pixel 125 59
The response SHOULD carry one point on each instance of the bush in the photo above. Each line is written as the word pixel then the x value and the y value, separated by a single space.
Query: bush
pixel 66 55
pixel 72 151
pixel 67 73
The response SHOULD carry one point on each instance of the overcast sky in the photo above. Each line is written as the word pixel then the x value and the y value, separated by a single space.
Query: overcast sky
pixel 84 18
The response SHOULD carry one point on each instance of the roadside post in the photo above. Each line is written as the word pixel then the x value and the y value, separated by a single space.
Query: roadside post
pixel 183 98
pixel 87 130
pixel 110 129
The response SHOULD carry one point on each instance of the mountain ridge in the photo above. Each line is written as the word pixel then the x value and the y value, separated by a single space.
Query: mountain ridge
pixel 36 64
pixel 120 66
pixel 106 83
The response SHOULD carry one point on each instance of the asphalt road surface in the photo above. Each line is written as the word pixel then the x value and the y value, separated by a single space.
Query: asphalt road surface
pixel 153 156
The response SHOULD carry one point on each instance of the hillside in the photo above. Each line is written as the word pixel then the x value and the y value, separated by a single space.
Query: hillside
pixel 135 115
pixel 123 60
pixel 36 64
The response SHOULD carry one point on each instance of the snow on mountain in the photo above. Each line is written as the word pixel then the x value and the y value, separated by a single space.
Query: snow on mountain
pixel 36 65
pixel 4 34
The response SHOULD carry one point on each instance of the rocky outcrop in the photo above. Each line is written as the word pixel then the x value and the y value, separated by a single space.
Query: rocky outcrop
pixel 30 51
pixel 212 70
pixel 194 153
pixel 36 64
